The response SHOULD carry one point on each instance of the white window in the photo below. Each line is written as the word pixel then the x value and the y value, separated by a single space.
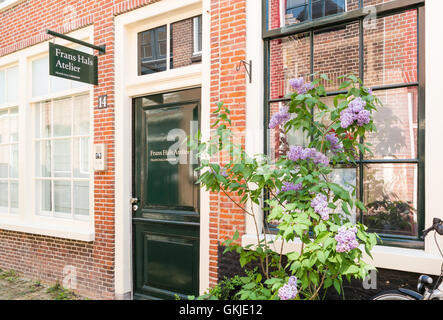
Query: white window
pixel 61 142
pixel 197 35
pixel 4 4
pixel 9 140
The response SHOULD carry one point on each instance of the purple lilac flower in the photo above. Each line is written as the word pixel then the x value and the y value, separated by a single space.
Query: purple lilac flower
pixel 298 153
pixel 294 153
pixel 335 144
pixel 346 239
pixel 299 85
pixel 280 117
pixel 320 205
pixel 357 105
pixel 355 111
pixel 223 172
pixel 370 91
pixel 363 117
pixel 289 290
pixel 289 186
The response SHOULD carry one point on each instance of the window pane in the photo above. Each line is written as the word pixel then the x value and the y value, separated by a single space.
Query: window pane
pixel 4 126
pixel 14 196
pixel 46 119
pixel 289 58
pixel 13 124
pixel 4 161
pixel 279 141
pixel 81 158
pixel 43 158
pixel 12 85
pixel 62 196
pixel 13 166
pixel 336 53
pixel 153 57
pixel 346 178
pixel 40 77
pixel 390 195
pixel 281 13
pixel 62 114
pixel 2 87
pixel 334 7
pixel 396 122
pixel 391 50
pixel 62 158
pixel 81 198
pixel 44 197
pixel 3 196
pixel 59 84
pixel 296 14
pixel 81 115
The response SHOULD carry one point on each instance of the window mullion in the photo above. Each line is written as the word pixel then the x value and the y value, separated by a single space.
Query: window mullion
pixel 72 157
pixel 51 121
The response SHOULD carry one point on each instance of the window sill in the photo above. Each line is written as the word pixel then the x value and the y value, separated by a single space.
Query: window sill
pixel 76 231
pixel 395 258
pixel 196 57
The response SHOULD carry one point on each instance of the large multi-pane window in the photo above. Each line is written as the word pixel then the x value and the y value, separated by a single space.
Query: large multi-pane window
pixel 9 82
pixel 387 53
pixel 61 142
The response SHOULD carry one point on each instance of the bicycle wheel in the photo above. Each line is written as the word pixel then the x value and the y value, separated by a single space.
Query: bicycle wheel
pixel 392 295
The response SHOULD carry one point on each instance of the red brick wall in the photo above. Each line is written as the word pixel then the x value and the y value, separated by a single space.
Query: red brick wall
pixel 182 43
pixel 45 257
pixel 228 47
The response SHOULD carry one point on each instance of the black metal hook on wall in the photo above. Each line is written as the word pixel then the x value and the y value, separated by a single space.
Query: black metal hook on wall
pixel 248 68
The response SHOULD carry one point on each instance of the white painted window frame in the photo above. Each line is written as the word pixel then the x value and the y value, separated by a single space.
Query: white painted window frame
pixel 27 220
pixel 70 173
pixel 195 32
pixel 8 107
pixel 8 4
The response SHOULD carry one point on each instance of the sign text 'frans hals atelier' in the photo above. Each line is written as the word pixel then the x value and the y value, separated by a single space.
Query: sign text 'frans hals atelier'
pixel 72 64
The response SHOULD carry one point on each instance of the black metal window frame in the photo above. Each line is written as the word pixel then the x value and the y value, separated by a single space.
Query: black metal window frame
pixel 328 23
pixel 157 57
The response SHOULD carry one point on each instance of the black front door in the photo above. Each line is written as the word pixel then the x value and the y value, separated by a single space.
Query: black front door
pixel 166 221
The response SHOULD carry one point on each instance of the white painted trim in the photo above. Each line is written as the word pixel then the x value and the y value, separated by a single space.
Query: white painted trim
pixel 434 114
pixel 254 96
pixel 68 230
pixel 8 4
pixel 205 130
pixel 129 85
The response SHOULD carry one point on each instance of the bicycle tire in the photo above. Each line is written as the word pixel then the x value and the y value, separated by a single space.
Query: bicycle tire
pixel 392 295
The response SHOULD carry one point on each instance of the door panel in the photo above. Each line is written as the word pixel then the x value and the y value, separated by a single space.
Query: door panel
pixel 166 224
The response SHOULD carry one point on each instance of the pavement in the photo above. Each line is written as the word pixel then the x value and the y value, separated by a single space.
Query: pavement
pixel 15 287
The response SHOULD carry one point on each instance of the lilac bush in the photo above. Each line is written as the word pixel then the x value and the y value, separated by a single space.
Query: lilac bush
pixel 296 193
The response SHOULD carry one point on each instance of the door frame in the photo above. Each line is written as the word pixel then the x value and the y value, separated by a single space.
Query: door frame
pixel 129 86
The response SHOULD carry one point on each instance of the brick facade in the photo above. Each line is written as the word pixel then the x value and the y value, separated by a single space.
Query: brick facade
pixel 228 47
pixel 44 257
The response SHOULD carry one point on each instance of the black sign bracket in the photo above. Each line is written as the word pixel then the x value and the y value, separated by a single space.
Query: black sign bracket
pixel 101 49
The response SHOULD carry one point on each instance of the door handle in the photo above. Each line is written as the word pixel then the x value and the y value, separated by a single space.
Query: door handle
pixel 134 203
